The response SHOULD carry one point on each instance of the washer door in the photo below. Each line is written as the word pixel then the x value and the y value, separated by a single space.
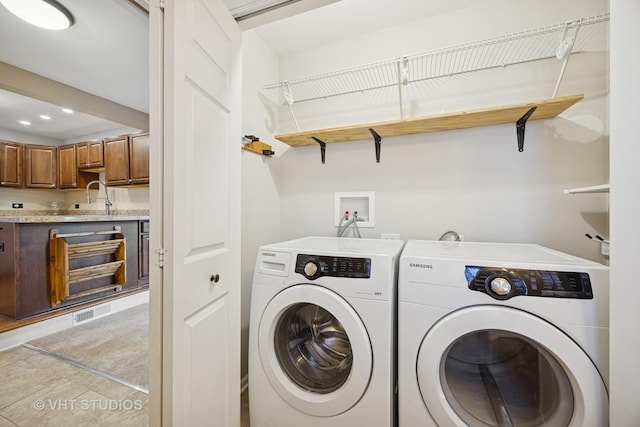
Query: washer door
pixel 498 366
pixel 315 350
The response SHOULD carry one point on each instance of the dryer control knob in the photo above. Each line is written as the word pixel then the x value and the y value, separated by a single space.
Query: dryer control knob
pixel 310 269
pixel 500 286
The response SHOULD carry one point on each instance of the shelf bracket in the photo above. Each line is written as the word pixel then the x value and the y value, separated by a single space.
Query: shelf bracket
pixel 564 50
pixel 252 143
pixel 323 147
pixel 520 124
pixel 403 80
pixel 377 140
pixel 288 97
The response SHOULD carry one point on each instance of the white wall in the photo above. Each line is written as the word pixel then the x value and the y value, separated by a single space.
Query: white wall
pixel 625 197
pixel 473 181
pixel 260 195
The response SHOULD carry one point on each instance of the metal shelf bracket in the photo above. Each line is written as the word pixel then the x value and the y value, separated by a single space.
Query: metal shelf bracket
pixel 323 147
pixel 520 124
pixel 377 140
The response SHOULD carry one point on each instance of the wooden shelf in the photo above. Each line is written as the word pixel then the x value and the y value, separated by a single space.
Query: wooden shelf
pixel 545 109
pixel 62 277
pixel 603 188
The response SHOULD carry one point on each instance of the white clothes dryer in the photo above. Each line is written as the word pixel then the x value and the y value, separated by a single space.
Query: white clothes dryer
pixel 322 333
pixel 493 334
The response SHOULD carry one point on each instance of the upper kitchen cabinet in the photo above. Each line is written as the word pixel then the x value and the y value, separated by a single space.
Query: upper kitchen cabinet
pixel 139 158
pixel 126 160
pixel 68 174
pixel 11 157
pixel 41 166
pixel 90 155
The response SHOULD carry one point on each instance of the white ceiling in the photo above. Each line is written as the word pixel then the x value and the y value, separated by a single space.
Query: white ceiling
pixel 350 18
pixel 106 52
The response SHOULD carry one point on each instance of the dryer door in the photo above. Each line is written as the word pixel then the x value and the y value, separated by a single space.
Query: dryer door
pixel 498 366
pixel 315 350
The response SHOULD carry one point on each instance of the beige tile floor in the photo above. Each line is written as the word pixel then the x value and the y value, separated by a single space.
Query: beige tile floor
pixel 39 390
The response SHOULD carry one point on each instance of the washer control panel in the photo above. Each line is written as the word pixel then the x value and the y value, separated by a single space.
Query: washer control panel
pixel 504 283
pixel 314 266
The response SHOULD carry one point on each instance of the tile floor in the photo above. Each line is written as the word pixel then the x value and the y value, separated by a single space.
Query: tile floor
pixel 39 390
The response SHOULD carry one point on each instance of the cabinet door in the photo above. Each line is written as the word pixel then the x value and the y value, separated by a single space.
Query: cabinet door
pixel 116 160
pixel 96 154
pixel 90 154
pixel 139 159
pixel 68 174
pixel 67 169
pixel 11 157
pixel 41 166
pixel 143 256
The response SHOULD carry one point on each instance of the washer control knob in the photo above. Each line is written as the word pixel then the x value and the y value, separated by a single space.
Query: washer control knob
pixel 310 269
pixel 500 286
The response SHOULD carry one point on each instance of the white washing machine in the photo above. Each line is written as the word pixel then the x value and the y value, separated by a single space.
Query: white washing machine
pixel 321 337
pixel 501 335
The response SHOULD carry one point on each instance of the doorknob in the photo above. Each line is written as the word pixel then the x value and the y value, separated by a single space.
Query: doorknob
pixel 214 278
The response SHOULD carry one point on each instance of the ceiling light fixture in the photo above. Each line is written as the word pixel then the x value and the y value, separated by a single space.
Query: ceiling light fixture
pixel 25 122
pixel 45 117
pixel 48 14
pixel 67 110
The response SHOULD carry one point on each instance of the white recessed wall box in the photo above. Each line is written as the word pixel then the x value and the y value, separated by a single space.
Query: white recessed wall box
pixel 362 202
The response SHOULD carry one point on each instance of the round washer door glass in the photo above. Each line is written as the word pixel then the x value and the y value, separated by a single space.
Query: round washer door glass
pixel 497 366
pixel 315 350
pixel 497 377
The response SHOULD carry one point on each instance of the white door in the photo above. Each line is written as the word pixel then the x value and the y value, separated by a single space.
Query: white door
pixel 196 92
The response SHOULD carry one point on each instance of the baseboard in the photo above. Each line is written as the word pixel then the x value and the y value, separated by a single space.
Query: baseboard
pixel 19 336
pixel 244 383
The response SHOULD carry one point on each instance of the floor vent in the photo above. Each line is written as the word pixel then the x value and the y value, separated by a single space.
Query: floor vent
pixel 91 314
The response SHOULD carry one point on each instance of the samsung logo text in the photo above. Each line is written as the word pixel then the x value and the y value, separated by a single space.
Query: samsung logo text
pixel 418 265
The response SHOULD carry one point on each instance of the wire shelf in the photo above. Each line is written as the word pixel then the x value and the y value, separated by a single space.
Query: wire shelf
pixel 553 41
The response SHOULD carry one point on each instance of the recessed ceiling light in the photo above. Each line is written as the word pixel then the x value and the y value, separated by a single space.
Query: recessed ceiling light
pixel 67 110
pixel 48 14
pixel 45 117
pixel 25 122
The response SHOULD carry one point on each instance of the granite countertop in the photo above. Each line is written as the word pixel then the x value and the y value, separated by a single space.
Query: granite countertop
pixel 70 216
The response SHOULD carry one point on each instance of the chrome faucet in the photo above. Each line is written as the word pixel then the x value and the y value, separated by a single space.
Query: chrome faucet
pixel 107 202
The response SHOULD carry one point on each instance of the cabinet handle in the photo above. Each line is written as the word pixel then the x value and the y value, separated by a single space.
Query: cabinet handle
pixel 214 278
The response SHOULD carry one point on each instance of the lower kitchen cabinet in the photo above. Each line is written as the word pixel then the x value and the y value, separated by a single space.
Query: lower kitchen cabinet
pixel 143 261
pixel 25 282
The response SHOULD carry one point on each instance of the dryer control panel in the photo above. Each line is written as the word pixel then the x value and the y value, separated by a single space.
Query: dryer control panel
pixel 504 283
pixel 314 266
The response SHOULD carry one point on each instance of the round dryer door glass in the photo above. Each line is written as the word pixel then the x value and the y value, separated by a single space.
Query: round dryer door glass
pixel 500 378
pixel 313 348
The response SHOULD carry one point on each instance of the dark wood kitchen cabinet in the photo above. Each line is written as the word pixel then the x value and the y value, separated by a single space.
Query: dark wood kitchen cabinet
pixel 143 259
pixel 41 166
pixel 11 161
pixel 126 160
pixel 68 174
pixel 90 155
pixel 25 259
